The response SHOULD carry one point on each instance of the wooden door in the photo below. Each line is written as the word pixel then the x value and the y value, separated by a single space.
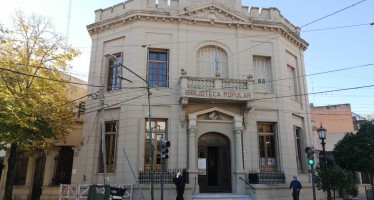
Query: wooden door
pixel 214 150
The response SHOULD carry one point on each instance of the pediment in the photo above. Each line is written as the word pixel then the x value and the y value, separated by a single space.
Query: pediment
pixel 214 114
pixel 213 11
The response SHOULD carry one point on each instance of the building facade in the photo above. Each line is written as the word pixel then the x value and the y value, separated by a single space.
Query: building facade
pixel 226 87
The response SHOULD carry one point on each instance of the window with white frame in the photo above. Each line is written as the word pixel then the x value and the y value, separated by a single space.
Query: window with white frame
pixel 263 77
pixel 158 68
pixel 267 146
pixel 292 83
pixel 212 61
pixel 111 132
pixel 114 73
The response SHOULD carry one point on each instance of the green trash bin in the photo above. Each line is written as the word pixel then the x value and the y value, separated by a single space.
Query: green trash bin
pixel 99 192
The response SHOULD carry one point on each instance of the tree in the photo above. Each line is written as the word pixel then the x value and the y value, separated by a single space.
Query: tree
pixel 355 152
pixel 33 109
pixel 339 179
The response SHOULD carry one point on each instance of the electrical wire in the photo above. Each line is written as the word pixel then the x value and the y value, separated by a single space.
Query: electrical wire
pixel 319 19
pixel 50 79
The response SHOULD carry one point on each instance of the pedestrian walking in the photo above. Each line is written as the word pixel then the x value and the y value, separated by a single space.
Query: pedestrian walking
pixel 296 187
pixel 180 183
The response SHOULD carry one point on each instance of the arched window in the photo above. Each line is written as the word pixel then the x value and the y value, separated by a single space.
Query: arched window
pixel 210 61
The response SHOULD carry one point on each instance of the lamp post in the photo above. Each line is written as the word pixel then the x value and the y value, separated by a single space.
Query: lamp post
pixel 116 61
pixel 322 135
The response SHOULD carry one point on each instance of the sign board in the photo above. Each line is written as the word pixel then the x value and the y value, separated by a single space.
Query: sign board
pixel 201 164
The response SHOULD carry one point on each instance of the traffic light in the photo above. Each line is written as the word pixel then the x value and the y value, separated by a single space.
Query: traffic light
pixel 310 155
pixel 81 108
pixel 163 147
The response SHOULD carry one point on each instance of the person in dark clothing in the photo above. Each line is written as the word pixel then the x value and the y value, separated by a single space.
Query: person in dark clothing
pixel 296 187
pixel 180 183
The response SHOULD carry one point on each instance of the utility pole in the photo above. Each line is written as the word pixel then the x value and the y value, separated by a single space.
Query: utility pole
pixel 150 137
pixel 103 146
pixel 150 145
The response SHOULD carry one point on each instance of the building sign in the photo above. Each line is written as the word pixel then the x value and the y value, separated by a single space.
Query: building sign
pixel 201 165
pixel 221 94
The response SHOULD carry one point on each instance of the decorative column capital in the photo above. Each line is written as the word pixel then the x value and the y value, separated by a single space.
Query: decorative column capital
pixel 192 130
pixel 238 131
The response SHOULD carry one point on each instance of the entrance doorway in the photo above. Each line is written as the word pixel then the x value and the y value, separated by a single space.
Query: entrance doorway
pixel 214 156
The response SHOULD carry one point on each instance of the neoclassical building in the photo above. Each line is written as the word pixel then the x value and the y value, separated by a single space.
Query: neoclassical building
pixel 226 86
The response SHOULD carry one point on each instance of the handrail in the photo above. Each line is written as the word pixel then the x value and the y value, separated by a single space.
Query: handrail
pixel 247 183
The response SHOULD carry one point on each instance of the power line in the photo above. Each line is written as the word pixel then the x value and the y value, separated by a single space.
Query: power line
pixel 336 27
pixel 50 79
pixel 88 95
pixel 223 101
pixel 319 19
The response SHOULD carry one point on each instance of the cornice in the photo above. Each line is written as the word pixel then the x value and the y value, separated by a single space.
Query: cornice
pixel 195 17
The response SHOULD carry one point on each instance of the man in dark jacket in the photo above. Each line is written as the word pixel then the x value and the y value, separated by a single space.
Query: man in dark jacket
pixel 296 187
pixel 180 183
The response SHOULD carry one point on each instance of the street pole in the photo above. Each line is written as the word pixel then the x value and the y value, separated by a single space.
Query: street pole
pixel 150 138
pixel 150 145
pixel 103 145
pixel 162 160
pixel 326 170
pixel 313 182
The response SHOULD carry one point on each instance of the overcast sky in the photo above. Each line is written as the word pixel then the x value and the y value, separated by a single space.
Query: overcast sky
pixel 339 59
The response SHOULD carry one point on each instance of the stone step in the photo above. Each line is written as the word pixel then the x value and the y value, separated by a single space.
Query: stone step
pixel 226 196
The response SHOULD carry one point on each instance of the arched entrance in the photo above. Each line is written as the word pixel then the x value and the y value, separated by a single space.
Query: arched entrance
pixel 214 156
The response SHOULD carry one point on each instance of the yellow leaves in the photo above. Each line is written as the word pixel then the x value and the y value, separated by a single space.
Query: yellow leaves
pixel 32 50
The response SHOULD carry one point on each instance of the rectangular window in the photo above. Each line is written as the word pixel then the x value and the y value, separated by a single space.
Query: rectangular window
pixel 159 132
pixel 292 83
pixel 114 73
pixel 263 77
pixel 158 68
pixel 111 132
pixel 21 167
pixel 267 145
pixel 299 149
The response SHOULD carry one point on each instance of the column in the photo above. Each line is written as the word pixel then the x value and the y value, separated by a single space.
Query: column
pixel 191 150
pixel 238 150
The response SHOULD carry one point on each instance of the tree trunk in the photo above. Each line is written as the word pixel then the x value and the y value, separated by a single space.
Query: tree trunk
pixel 11 172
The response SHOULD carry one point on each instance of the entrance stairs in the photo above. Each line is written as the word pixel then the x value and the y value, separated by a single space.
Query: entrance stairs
pixel 225 196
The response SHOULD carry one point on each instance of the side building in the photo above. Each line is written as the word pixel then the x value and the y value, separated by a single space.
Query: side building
pixel 226 86
pixel 338 120
pixel 39 173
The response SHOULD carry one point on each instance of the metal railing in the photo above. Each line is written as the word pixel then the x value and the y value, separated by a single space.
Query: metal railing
pixel 267 178
pixel 144 176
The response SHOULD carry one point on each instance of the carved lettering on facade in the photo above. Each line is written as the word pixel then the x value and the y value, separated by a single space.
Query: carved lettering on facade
pixel 219 94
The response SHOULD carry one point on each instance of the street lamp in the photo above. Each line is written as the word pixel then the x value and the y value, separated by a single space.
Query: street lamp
pixel 116 61
pixel 322 135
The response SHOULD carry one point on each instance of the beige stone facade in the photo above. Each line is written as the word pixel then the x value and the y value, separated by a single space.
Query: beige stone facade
pixel 227 89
